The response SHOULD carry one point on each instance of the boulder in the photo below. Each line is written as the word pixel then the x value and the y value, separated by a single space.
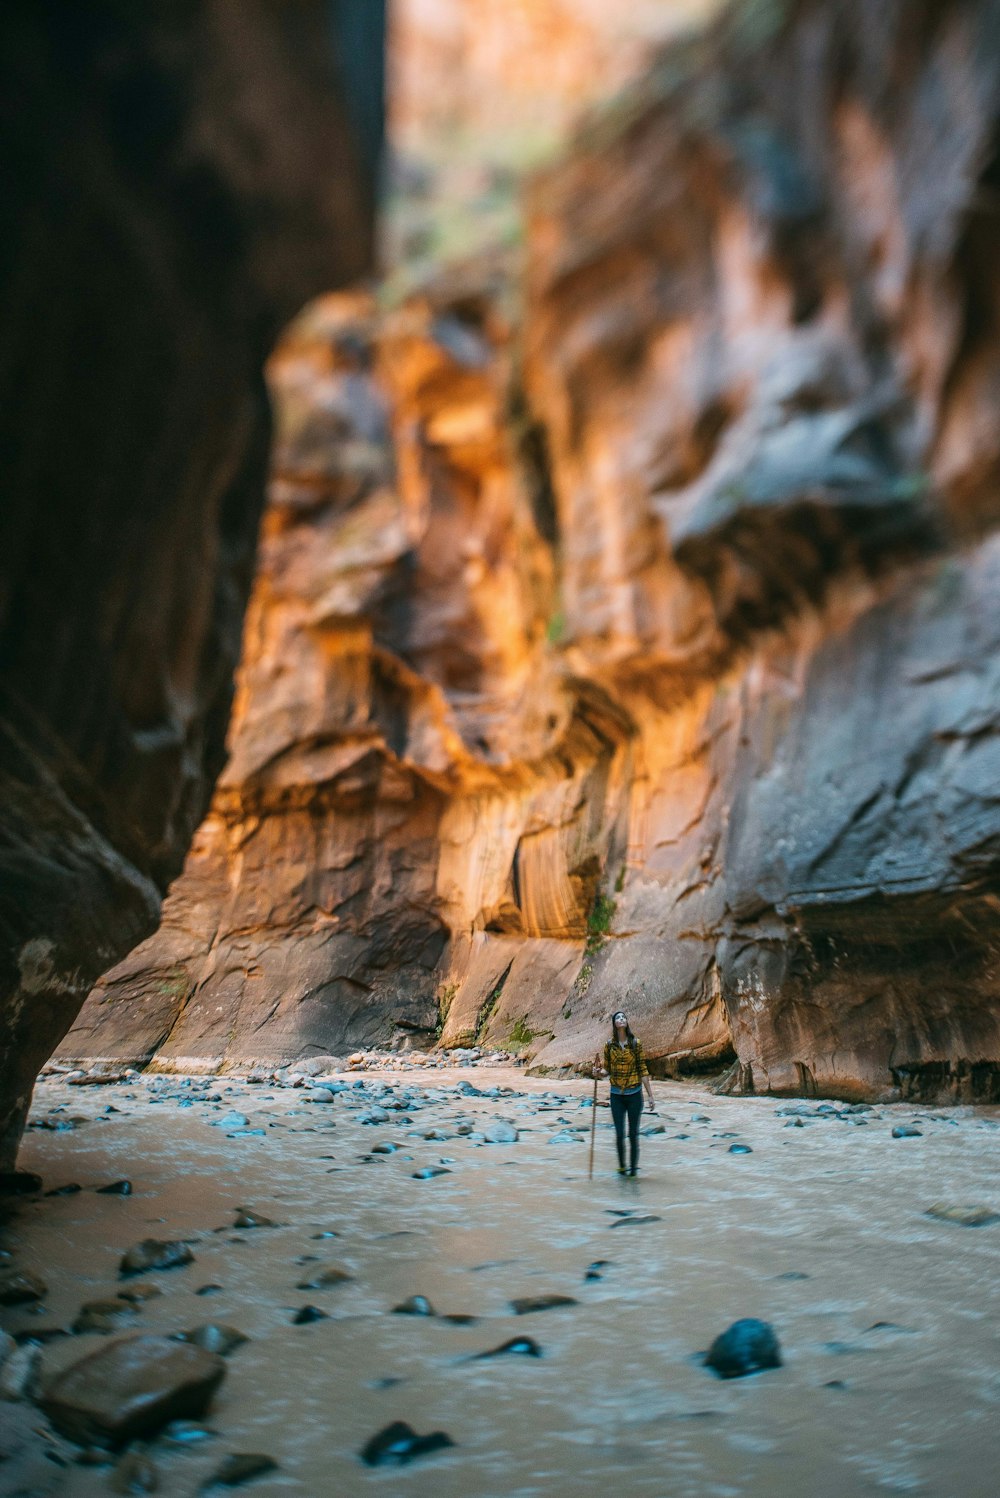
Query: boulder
pixel 131 1389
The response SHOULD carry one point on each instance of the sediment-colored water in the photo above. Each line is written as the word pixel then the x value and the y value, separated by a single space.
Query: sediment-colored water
pixel 887 1317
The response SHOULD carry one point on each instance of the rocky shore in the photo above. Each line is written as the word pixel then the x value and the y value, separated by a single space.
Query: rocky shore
pixel 316 1275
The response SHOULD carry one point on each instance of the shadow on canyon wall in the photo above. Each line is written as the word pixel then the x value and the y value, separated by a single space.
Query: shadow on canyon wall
pixel 180 179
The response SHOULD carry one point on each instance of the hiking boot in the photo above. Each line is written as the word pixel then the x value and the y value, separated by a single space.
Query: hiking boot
pixel 634 1171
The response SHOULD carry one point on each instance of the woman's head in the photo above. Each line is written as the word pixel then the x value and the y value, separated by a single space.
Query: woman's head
pixel 620 1026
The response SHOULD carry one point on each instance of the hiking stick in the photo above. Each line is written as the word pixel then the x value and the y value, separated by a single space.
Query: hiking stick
pixel 593 1126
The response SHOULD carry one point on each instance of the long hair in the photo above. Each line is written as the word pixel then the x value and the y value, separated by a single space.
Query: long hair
pixel 629 1037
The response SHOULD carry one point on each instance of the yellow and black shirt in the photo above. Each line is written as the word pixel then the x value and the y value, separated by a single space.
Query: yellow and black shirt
pixel 624 1065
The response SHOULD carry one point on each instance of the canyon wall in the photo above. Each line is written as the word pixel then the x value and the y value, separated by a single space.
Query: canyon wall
pixel 626 635
pixel 181 178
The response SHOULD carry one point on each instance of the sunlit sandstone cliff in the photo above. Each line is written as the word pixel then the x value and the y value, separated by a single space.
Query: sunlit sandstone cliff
pixel 640 646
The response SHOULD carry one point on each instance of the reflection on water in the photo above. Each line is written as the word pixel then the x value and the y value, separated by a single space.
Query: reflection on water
pixel 886 1316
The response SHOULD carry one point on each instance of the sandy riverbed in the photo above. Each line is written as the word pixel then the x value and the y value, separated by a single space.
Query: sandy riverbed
pixel 887 1317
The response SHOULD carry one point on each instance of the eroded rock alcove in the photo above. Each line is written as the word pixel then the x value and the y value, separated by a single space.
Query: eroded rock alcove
pixel 625 626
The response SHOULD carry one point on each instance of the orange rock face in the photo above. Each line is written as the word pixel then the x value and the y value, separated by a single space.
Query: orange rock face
pixel 640 650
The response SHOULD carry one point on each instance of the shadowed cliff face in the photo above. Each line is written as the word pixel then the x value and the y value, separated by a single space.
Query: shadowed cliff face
pixel 638 648
pixel 180 180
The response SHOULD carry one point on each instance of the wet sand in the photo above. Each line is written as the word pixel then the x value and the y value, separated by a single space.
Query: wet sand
pixel 886 1317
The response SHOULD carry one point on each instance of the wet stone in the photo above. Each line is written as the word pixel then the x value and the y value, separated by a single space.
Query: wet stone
pixel 325 1279
pixel 906 1131
pixel 239 1467
pixel 429 1171
pixel 139 1292
pixel 153 1253
pixel 69 1190
pixel 129 1389
pixel 208 1290
pixel 965 1216
pixel 116 1188
pixel 135 1473
pixel 398 1443
pixel 515 1346
pixel 19 1183
pixel 415 1305
pixel 308 1314
pixel 19 1287
pixel 245 1218
pixel 635 1221
pixel 500 1132
pixel 214 1337
pixel 104 1316
pixel 186 1433
pixel 527 1305
pixel 19 1373
pixel 739 1149
pixel 748 1346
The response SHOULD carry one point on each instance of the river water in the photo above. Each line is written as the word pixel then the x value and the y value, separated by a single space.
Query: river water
pixel 887 1317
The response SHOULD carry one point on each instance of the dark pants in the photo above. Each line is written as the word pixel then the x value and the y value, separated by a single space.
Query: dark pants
pixel 627 1105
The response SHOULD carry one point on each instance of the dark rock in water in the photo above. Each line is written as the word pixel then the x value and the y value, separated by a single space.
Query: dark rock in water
pixel 308 1314
pixel 138 1293
pixel 325 1279
pixel 116 1188
pixel 208 1290
pixel 19 1183
pixel 135 1473
pixel 247 1219
pixel 19 1286
pixel 594 1269
pixel 69 1190
pixel 399 1444
pixel 186 1433
pixel 792 1274
pixel 748 1346
pixel 214 1337
pixel 459 1318
pixel 527 1304
pixel 104 1316
pixel 966 1217
pixel 327 1233
pixel 431 1170
pixel 634 1222
pixel 522 1346
pixel 739 1149
pixel 385 1148
pixel 906 1131
pixel 131 1389
pixel 151 1253
pixel 241 1466
pixel 416 1305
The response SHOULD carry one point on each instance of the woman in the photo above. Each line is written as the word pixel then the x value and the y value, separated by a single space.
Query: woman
pixel 623 1063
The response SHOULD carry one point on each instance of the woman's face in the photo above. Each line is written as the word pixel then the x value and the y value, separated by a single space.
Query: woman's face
pixel 620 1022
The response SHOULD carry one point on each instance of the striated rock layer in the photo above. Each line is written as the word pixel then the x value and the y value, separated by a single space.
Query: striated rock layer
pixel 640 647
pixel 181 178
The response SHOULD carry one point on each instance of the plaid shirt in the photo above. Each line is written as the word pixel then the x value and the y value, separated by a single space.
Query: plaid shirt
pixel 625 1068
